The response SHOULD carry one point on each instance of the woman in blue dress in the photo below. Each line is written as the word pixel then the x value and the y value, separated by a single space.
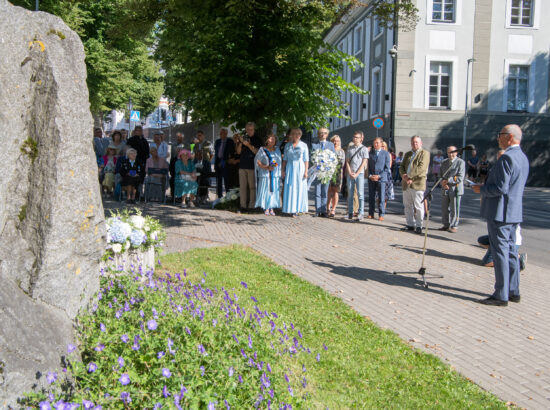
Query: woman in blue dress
pixel 268 172
pixel 186 179
pixel 294 172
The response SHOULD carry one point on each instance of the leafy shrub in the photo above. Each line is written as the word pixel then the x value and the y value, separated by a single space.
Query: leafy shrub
pixel 170 343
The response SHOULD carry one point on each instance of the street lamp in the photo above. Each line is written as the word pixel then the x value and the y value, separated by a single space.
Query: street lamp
pixel 470 61
pixel 36 5
pixel 393 54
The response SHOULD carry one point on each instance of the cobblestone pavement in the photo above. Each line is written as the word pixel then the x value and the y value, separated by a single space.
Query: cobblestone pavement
pixel 504 350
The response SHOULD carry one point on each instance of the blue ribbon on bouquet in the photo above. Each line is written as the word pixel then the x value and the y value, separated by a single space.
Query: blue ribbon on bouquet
pixel 271 173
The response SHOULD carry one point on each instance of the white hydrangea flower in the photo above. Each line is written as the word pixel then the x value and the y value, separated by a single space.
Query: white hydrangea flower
pixel 117 247
pixel 138 221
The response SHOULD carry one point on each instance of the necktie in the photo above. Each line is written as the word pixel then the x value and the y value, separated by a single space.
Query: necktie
pixel 323 145
pixel 222 147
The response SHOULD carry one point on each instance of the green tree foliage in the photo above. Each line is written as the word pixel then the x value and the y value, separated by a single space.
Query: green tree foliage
pixel 117 42
pixel 260 60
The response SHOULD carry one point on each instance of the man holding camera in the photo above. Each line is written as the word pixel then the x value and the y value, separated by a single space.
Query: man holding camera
pixel 246 147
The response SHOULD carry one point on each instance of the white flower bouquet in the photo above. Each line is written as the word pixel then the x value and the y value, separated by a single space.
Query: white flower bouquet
pixel 230 200
pixel 125 231
pixel 324 163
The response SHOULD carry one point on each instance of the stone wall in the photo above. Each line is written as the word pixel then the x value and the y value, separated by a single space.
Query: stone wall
pixel 51 217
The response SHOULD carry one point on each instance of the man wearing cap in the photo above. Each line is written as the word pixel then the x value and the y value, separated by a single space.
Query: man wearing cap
pixel 453 170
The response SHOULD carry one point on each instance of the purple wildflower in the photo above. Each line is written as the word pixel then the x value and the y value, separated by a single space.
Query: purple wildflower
pixel 166 372
pixel 214 322
pixel 268 368
pixel 318 357
pixel 124 338
pixel 157 406
pixel 120 362
pixel 141 313
pixel 125 397
pixel 118 314
pixel 231 371
pixel 165 392
pixel 152 324
pixel 124 379
pixel 51 377
pixel 300 334
pixel 92 367
pixel 160 355
pixel 87 404
pixel 44 405
pixel 212 405
pixel 71 348
pixel 254 299
pixel 187 331
pixel 250 341
pixel 325 346
pixel 202 350
pixel 290 390
pixel 102 327
pixel 235 337
pixel 286 378
pixel 304 382
pixel 304 368
pixel 202 370
pixel 240 378
pixel 274 314
pixel 244 285
pixel 99 347
pixel 226 405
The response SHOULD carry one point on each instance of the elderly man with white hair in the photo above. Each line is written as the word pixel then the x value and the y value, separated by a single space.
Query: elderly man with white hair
pixel 501 206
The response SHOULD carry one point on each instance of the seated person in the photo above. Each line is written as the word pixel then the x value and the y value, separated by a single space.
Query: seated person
pixel 186 179
pixel 132 173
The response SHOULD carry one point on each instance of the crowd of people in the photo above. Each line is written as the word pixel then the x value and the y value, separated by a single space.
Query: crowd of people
pixel 271 176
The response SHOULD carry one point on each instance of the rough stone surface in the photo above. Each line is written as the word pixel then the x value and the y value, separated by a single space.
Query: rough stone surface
pixel 51 217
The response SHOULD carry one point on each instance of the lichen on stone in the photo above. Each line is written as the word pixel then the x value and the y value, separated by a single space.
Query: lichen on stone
pixel 30 148
pixel 22 213
pixel 58 33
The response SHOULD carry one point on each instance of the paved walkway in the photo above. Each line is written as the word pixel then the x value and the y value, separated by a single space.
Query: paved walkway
pixel 504 350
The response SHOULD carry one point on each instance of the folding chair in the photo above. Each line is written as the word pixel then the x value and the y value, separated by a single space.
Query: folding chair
pixel 155 182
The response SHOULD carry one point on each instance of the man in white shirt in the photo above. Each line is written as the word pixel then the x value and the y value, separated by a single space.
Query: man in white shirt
pixel 356 162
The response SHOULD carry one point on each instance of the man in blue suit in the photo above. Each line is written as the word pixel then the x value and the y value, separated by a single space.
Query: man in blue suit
pixel 321 190
pixel 379 172
pixel 223 148
pixel 501 206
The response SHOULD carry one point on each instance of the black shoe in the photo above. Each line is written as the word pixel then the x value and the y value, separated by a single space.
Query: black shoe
pixel 408 228
pixel 418 230
pixel 492 301
pixel 514 299
pixel 323 215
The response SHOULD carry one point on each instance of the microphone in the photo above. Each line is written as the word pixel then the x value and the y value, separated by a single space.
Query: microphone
pixel 469 147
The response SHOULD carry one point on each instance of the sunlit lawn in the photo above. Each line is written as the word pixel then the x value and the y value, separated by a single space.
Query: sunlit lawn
pixel 364 366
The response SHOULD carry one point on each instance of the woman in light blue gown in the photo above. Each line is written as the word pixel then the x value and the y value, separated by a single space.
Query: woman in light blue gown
pixel 294 172
pixel 268 173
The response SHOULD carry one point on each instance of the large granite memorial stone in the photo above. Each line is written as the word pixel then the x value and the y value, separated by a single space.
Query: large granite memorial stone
pixel 51 217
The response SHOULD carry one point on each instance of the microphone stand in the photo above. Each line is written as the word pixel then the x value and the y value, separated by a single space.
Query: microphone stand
pixel 428 197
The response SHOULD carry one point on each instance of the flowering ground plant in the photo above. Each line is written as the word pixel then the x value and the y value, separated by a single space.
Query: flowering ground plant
pixel 324 165
pixel 170 343
pixel 127 231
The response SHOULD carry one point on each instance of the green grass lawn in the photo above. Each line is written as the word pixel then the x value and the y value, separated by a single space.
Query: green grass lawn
pixel 363 366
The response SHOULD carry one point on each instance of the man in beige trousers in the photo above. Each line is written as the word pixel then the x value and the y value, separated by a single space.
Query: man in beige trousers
pixel 413 170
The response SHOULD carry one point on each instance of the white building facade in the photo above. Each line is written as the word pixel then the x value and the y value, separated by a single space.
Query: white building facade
pixel 491 54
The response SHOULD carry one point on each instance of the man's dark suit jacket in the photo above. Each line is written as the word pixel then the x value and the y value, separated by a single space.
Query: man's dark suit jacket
pixel 228 150
pixel 502 193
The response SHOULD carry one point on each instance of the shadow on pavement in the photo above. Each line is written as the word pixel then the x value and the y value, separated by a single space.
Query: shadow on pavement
pixel 433 252
pixel 400 279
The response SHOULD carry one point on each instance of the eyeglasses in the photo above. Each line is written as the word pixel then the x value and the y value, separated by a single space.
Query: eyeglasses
pixel 502 133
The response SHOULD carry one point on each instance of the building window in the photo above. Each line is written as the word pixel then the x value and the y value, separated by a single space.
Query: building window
pixel 440 85
pixel 358 40
pixel 521 13
pixel 377 28
pixel 518 88
pixel 356 103
pixel 443 11
pixel 376 92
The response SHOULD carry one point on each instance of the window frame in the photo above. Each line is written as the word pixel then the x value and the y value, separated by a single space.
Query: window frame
pixel 357 50
pixel 376 26
pixel 453 87
pixel 531 92
pixel 376 103
pixel 442 20
pixel 517 79
pixel 457 14
pixel 439 86
pixel 356 103
pixel 535 17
